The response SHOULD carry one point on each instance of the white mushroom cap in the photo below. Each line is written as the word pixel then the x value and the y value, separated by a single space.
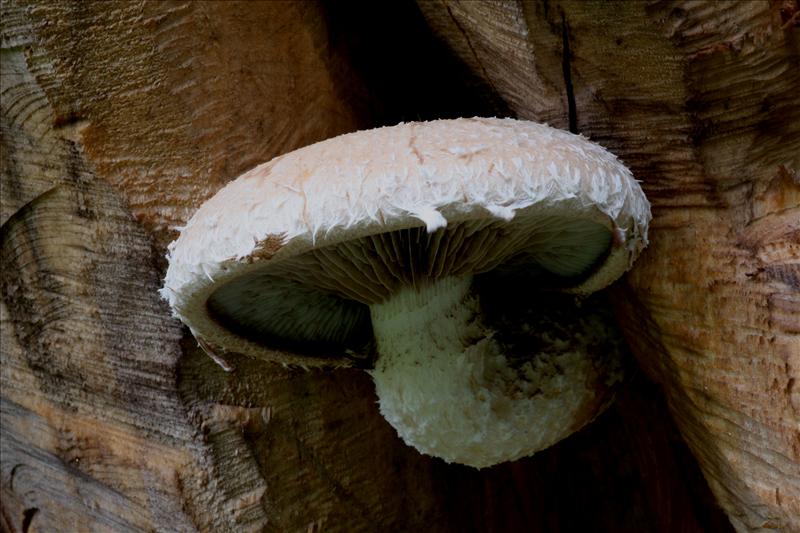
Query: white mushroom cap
pixel 378 236
pixel 371 182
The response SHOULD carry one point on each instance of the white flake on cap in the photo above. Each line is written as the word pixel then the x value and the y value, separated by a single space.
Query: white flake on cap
pixel 432 218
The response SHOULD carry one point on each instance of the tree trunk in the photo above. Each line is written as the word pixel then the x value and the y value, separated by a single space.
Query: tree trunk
pixel 120 119
pixel 701 101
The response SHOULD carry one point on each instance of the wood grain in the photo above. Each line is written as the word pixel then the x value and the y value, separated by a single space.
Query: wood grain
pixel 171 100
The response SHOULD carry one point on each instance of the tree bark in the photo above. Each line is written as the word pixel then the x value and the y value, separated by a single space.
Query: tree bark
pixel 700 100
pixel 118 121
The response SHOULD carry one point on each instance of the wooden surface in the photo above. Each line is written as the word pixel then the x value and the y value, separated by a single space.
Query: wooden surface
pixel 118 120
pixel 700 100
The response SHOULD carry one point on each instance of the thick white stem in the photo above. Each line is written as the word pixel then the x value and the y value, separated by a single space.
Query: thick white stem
pixel 446 387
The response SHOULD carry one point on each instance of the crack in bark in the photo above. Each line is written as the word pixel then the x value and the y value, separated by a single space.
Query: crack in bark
pixel 567 70
pixel 27 518
pixel 471 47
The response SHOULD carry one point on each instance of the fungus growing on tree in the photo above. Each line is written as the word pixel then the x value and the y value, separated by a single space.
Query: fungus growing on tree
pixel 396 249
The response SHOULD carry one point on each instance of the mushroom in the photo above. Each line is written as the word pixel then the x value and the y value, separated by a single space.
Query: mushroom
pixel 390 248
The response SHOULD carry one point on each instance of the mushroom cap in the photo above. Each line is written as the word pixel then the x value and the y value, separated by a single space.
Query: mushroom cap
pixel 420 177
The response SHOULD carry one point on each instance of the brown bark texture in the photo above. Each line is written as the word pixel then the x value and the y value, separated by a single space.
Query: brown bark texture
pixel 700 99
pixel 120 118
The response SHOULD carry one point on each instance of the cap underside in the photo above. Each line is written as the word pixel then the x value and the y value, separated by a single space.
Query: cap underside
pixel 316 302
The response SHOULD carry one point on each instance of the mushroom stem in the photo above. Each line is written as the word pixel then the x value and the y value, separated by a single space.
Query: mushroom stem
pixel 441 378
pixel 446 385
